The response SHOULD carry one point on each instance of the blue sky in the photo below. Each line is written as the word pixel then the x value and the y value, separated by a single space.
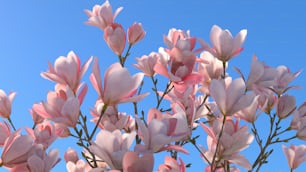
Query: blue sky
pixel 35 32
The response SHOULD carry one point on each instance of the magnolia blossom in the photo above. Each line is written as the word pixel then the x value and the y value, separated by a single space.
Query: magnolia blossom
pixel 35 116
pixel 283 78
pixel 16 149
pixel 133 162
pixel 230 95
pixel 119 85
pixel 249 113
pixel 5 132
pixel 224 45
pixel 78 166
pixel 112 149
pixel 260 75
pixel 213 69
pixel 162 130
pixel 44 133
pixel 42 162
pixel 102 15
pixel 171 165
pixel 115 38
pixel 6 103
pixel 299 122
pixel 61 107
pixel 67 70
pixel 233 140
pixel 295 155
pixel 146 63
pixel 285 106
pixel 71 155
pixel 135 33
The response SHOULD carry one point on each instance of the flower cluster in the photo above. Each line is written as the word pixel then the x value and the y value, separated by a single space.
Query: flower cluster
pixel 199 95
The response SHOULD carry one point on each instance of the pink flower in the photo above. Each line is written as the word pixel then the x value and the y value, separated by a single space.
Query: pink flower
pixel 6 103
pixel 230 97
pixel 171 165
pixel 61 107
pixel 112 149
pixel 285 106
pixel 260 75
pixel 16 149
pixel 67 70
pixel 102 15
pixel 35 116
pixel 249 113
pixel 5 132
pixel 44 133
pixel 135 33
pixel 233 140
pixel 295 155
pixel 283 78
pixel 115 37
pixel 146 63
pixel 79 166
pixel 119 85
pixel 299 122
pixel 224 45
pixel 71 155
pixel 132 162
pixel 43 162
pixel 161 130
pixel 213 69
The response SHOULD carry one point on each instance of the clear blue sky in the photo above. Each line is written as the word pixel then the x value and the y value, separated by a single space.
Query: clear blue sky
pixel 35 32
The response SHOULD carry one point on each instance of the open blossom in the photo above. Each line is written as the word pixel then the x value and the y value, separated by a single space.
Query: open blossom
pixel 213 69
pixel 161 130
pixel 16 149
pixel 102 15
pixel 295 155
pixel 249 113
pixel 42 162
pixel 146 63
pixel 115 37
pixel 119 85
pixel 230 95
pixel 62 107
pixel 135 33
pixel 233 140
pixel 44 133
pixel 6 103
pixel 260 75
pixel 132 162
pixel 177 63
pixel 224 45
pixel 283 78
pixel 172 165
pixel 67 70
pixel 112 149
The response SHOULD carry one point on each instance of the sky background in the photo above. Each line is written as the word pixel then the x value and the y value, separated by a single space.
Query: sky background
pixel 35 32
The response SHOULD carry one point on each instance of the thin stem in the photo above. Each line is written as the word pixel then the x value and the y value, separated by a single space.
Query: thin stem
pixel 11 122
pixel 224 69
pixel 98 122
pixel 122 59
pixel 218 144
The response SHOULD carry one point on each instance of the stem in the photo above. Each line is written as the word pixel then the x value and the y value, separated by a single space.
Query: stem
pixel 11 122
pixel 224 68
pixel 122 59
pixel 218 143
pixel 98 122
